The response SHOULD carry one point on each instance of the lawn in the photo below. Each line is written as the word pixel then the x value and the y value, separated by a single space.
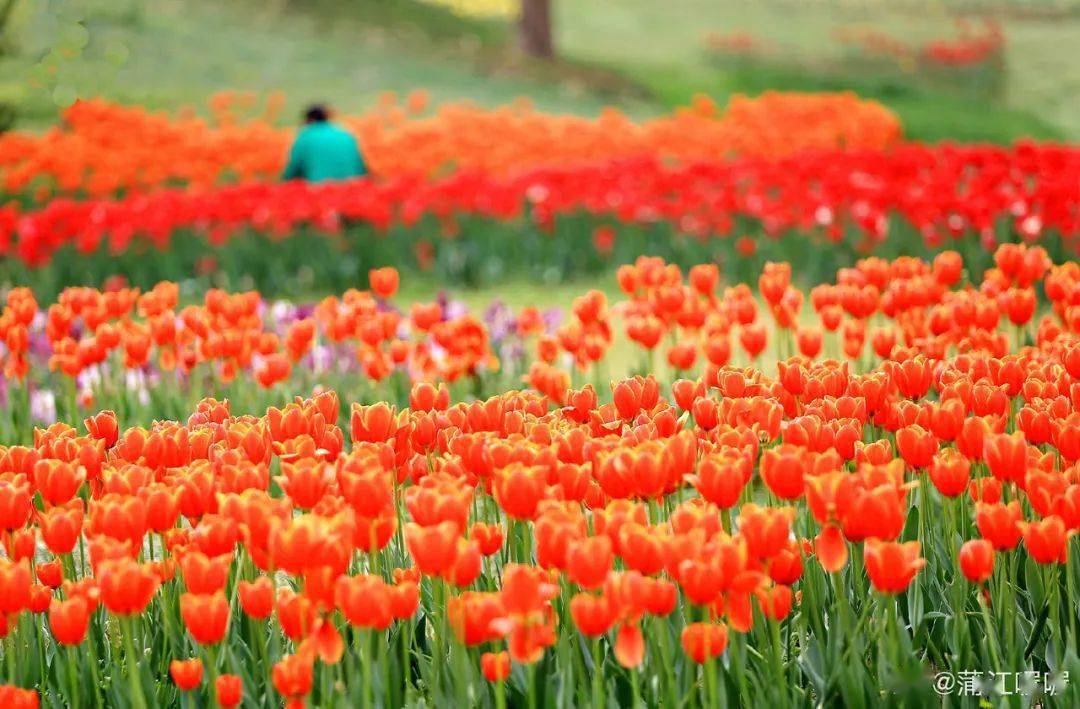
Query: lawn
pixel 164 54
pixel 661 45
pixel 641 55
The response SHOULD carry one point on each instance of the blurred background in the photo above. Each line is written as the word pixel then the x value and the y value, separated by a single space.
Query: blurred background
pixel 975 70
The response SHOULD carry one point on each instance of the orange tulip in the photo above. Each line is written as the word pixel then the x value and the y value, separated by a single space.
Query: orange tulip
pixel 765 529
pixel 776 602
pixel 404 599
pixel 373 423
pixel 50 573
pixel 630 645
pixel 293 675
pixel 519 489
pixel 488 536
pixel 703 641
pixel 434 549
pixel 126 586
pixel 593 615
pixel 186 674
pixel 384 281
pixel 721 477
pixel 1047 540
pixel 831 549
pixel 589 561
pixel 104 427
pixel 782 470
pixel 474 617
pixel 753 339
pixel 632 396
pixel 56 481
pixel 14 503
pixel 297 614
pixel 1007 456
pixel 950 472
pixel 682 355
pixel 977 560
pixel 256 597
pixel 229 690
pixel 916 445
pixel 425 396
pixel 999 523
pixel 706 413
pixel 809 340
pixel 913 377
pixel 205 616
pixel 786 567
pixel 891 566
pixel 495 666
pixel 204 574
pixel 467 564
pixel 69 620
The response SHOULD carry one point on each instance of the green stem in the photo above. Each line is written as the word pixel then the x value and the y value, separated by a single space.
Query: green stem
pixel 73 682
pixel 463 679
pixel 532 686
pixel 737 663
pixel 438 656
pixel 212 667
pixel 406 643
pixel 381 643
pixel 1009 609
pixel 366 637
pixel 667 680
pixel 1070 595
pixel 991 634
pixel 956 592
pixel 780 673
pixel 138 699
pixel 597 678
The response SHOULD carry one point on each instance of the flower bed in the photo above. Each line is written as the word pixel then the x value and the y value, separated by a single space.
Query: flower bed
pixel 733 533
pixel 858 202
pixel 104 148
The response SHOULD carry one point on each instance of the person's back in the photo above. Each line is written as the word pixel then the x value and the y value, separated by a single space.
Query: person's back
pixel 323 151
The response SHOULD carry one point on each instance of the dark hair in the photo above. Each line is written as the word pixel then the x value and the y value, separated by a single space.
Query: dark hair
pixel 316 113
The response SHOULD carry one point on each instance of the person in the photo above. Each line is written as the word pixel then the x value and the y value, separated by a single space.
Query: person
pixel 323 151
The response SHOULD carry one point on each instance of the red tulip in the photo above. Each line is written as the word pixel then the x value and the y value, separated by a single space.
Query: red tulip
pixel 186 674
pixel 977 560
pixel 1047 540
pixel 891 566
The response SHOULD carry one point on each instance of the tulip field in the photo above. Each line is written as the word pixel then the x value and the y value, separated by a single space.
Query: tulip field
pixel 771 178
pixel 811 440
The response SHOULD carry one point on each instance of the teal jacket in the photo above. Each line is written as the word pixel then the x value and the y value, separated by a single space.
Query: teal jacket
pixel 323 151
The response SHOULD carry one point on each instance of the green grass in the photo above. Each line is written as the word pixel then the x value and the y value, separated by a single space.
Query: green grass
pixel 167 53
pixel 516 292
pixel 661 45
pixel 641 55
pixel 926 114
pixel 623 359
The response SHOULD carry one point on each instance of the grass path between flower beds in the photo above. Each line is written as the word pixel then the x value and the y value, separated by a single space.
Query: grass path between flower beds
pixel 623 359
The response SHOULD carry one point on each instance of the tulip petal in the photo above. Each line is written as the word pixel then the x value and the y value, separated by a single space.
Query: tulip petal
pixel 831 549
pixel 630 645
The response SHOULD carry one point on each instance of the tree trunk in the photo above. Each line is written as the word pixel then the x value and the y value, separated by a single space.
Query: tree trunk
pixel 6 11
pixel 535 25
